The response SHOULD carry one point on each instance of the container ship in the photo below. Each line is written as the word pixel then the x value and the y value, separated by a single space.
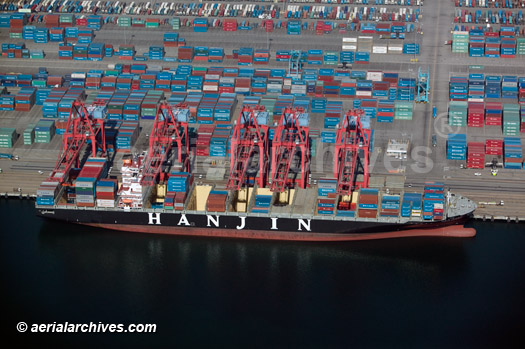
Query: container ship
pixel 263 189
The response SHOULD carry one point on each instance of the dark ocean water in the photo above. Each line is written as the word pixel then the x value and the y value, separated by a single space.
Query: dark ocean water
pixel 416 292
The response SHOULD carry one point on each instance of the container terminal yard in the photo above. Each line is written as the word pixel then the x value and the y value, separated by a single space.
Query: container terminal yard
pixel 440 84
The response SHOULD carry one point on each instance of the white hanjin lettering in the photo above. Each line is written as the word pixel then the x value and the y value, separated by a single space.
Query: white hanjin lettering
pixel 215 220
pixel 274 223
pixel 183 220
pixel 303 224
pixel 243 223
pixel 154 218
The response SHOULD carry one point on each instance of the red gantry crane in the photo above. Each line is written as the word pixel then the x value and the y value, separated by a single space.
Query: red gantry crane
pixel 249 139
pixel 290 141
pixel 352 141
pixel 167 130
pixel 81 126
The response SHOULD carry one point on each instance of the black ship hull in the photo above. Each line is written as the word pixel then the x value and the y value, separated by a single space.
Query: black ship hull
pixel 257 227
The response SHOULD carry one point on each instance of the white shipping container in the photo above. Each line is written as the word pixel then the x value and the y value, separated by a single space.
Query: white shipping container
pixel 363 93
pixel 349 40
pixel 105 203
pixel 214 88
pixel 349 48
pixel 374 75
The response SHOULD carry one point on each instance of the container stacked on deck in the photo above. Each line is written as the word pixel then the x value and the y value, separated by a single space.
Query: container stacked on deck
pixel 217 201
pixel 131 193
pixel 411 206
pixel 178 187
pixel 476 114
pixel 390 205
pixel 47 192
pixel 262 203
pixel 326 196
pixel 224 108
pixel 206 108
pixel 220 140
pixel 368 200
pixel 513 153
pixel 85 184
pixel 511 119
pixel 475 155
pixel 105 193
pixel 433 201
pixel 457 113
pixel 456 146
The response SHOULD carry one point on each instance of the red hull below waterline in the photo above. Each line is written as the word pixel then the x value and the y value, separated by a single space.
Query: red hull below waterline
pixel 447 231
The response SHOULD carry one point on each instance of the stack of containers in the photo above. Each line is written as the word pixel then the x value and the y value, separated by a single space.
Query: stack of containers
pixel 229 25
pixel 28 32
pixel 330 58
pixel 386 111
pixel 520 46
pixel 175 23
pixel 217 201
pixel 492 47
pixel 511 120
pixel 65 51
pixel 7 102
pixel 326 196
pixel 96 51
pixel 433 201
pixel 494 147
pixel 16 25
pixel 105 193
pixel 224 108
pixel 203 140
pixel 476 114
pixel 261 56
pixel 477 43
pixel 85 184
pixel 368 199
pixel 412 205
pixel 521 87
pixel 406 89
pixel 94 22
pixel 458 88
pixel 29 134
pixel 206 108
pixel 390 205
pixel 476 87
pixel 509 87
pixel 44 131
pixel 456 146
pixel 80 52
pixel 25 99
pixel 411 49
pixel 262 203
pixel 245 56
pixel 85 36
pixel 8 137
pixel 333 112
pixel 200 53
pixel 56 34
pixel 128 133
pixel 522 113
pixel 178 186
pixel 476 155
pixel 41 35
pixel 47 192
pixel 200 25
pixel 460 40
pixel 457 113
pixel 215 54
pixel 492 86
pixel 150 104
pixel 508 47
pixel 126 51
pixel 219 140
pixel 493 114
pixel 156 53
pixel 293 27
pixel 66 20
pixel 123 21
pixel 403 110
pixel 71 34
pixel 513 153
